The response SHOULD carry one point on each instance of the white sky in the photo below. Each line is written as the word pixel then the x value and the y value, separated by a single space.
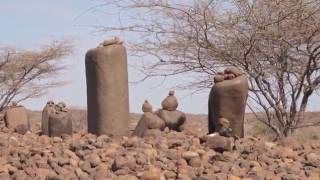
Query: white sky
pixel 30 24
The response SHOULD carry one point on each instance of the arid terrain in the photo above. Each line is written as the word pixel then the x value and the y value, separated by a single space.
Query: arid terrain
pixel 167 155
pixel 252 126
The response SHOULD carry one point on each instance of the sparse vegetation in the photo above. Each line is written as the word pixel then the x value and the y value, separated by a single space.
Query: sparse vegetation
pixel 26 74
pixel 277 44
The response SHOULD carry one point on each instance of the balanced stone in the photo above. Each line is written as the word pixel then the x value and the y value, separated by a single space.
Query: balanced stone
pixel 146 107
pixel 107 89
pixel 170 103
pixel 219 143
pixel 225 129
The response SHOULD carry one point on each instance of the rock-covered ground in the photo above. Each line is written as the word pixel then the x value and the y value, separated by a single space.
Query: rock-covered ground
pixel 171 155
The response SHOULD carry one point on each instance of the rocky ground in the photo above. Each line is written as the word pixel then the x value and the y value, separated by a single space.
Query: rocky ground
pixel 169 155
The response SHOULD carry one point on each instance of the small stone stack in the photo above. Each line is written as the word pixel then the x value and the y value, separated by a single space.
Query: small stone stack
pixel 173 118
pixel 16 117
pixel 218 142
pixel 56 120
pixel 149 123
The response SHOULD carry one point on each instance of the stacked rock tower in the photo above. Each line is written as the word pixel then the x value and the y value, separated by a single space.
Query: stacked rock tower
pixel 107 89
pixel 152 123
pixel 173 118
pixel 149 121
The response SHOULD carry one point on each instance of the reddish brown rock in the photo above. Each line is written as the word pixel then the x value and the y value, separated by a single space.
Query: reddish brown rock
pixel 41 172
pixel 313 160
pixel 126 177
pixel 152 174
pixel 219 143
pixel 195 162
pixel 16 117
pixel 188 155
pixel 291 143
pixel 155 133
pixel 218 78
pixel 21 128
pixel 233 70
pixel 232 177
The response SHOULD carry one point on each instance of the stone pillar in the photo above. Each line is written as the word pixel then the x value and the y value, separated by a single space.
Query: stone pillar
pixel 60 121
pixel 107 89
pixel 227 100
pixel 16 117
pixel 48 109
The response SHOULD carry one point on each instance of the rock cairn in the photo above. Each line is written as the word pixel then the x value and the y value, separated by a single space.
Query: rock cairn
pixel 16 118
pixel 151 124
pixel 172 155
pixel 170 103
pixel 107 89
pixel 227 102
pixel 173 118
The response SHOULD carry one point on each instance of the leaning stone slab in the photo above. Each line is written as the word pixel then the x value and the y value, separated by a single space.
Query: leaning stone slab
pixel 170 103
pixel 17 118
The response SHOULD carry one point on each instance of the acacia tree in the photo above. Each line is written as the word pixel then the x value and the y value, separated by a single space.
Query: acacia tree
pixel 28 74
pixel 275 42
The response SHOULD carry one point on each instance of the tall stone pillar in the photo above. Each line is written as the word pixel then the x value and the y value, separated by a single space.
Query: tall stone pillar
pixel 47 110
pixel 227 100
pixel 107 89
